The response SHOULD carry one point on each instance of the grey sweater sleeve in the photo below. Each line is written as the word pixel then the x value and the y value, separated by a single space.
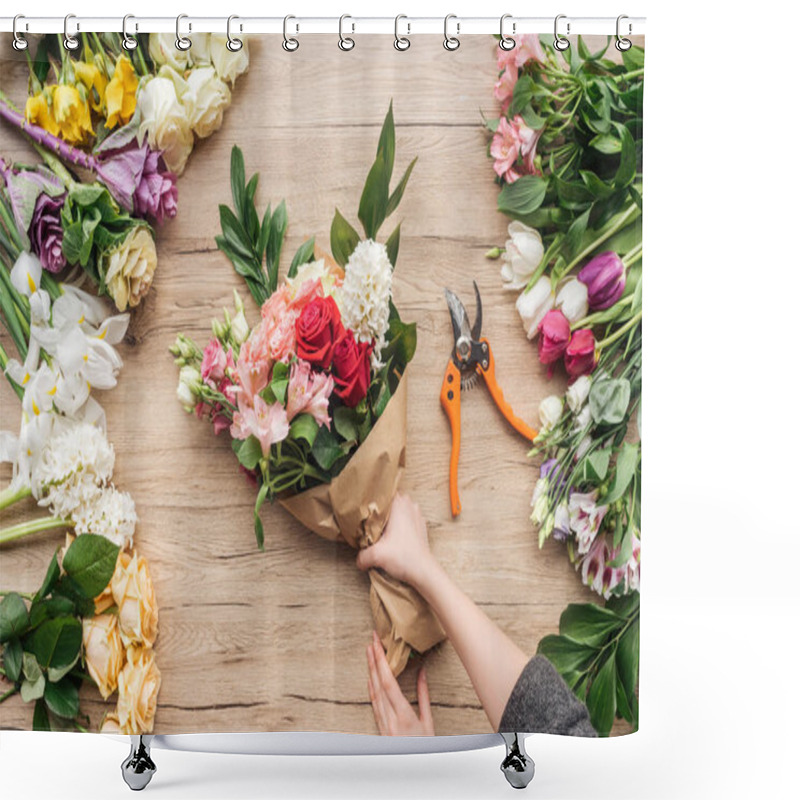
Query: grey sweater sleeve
pixel 541 702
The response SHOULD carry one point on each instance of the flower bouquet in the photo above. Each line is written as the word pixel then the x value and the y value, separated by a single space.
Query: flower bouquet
pixel 314 396
pixel 95 611
pixel 567 154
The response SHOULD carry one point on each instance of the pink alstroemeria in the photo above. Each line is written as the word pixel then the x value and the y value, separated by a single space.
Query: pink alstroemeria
pixel 268 423
pixel 504 87
pixel 505 148
pixel 254 366
pixel 528 48
pixel 309 393
pixel 214 362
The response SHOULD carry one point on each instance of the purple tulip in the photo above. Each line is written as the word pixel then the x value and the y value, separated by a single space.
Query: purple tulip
pixel 46 233
pixel 604 277
pixel 156 196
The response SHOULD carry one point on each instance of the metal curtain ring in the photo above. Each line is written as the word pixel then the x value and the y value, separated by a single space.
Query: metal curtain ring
pixel 234 45
pixel 289 44
pixel 70 42
pixel 128 41
pixel 506 42
pixel 20 43
pixel 559 42
pixel 623 44
pixel 451 43
pixel 401 42
pixel 183 43
pixel 346 42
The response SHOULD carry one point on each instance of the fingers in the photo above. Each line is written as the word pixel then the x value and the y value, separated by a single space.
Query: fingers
pixel 376 694
pixel 367 558
pixel 391 688
pixel 424 702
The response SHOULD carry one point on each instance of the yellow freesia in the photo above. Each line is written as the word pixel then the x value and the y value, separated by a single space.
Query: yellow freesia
pixel 72 114
pixel 38 112
pixel 121 93
pixel 95 82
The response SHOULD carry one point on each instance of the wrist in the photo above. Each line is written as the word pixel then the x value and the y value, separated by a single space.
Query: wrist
pixel 430 576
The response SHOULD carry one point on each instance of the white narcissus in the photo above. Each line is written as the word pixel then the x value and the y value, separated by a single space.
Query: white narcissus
pixel 573 300
pixel 523 254
pixel 165 120
pixel 534 304
pixel 550 410
pixel 210 97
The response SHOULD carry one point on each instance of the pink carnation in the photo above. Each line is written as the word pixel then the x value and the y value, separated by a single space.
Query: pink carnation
pixel 308 393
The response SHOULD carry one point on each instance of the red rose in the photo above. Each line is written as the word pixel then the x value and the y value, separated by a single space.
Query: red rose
pixel 317 330
pixel 351 369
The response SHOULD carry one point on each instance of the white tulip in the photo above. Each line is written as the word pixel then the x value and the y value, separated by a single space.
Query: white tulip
pixel 578 392
pixel 573 300
pixel 210 98
pixel 534 304
pixel 550 410
pixel 524 253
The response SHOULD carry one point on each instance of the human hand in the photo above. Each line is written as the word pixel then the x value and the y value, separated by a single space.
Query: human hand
pixel 403 549
pixel 393 713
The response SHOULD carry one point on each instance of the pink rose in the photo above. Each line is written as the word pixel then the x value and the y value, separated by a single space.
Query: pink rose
pixel 309 393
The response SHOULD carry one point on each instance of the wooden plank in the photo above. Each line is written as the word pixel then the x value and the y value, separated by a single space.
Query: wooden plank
pixel 275 641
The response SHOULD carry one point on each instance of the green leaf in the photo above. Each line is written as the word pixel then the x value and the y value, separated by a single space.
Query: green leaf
pixel 627 462
pixel 602 698
pixel 576 231
pixel 248 451
pixel 326 449
pixel 346 420
pixel 397 195
pixel 259 528
pixel 393 245
pixel 597 465
pixel 237 180
pixel 235 235
pixel 587 623
pixel 12 659
pixel 402 343
pixel 304 254
pixel 374 198
pixel 33 682
pixel 90 562
pixel 51 576
pixel 626 171
pixel 263 236
pixel 609 399
pixel 304 427
pixel 606 143
pixel 56 641
pixel 565 655
pixel 628 658
pixel 277 231
pixel 633 58
pixel 62 699
pixel 386 142
pixel 55 674
pixel 522 197
pixel 41 721
pixel 344 239
pixel 13 616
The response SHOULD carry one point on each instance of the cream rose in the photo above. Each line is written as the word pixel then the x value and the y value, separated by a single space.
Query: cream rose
pixel 133 593
pixel 165 120
pixel 229 66
pixel 163 51
pixel 110 723
pixel 200 53
pixel 128 269
pixel 103 651
pixel 139 683
pixel 210 98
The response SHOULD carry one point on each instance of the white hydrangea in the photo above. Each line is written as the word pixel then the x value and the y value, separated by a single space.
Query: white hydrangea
pixel 112 514
pixel 365 294
pixel 71 469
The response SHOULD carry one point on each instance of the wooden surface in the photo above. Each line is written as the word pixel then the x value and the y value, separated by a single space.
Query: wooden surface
pixel 276 641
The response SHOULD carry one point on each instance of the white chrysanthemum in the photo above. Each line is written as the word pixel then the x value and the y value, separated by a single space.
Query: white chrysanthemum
pixel 72 467
pixel 111 514
pixel 365 294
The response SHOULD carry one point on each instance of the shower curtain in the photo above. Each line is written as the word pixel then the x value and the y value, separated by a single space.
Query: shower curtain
pixel 236 494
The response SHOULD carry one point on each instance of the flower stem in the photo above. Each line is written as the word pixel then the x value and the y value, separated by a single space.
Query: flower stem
pixel 590 320
pixel 33 526
pixel 8 694
pixel 11 495
pixel 634 320
pixel 633 255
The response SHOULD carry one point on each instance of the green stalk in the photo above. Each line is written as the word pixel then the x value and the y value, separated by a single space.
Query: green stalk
pixel 633 255
pixel 8 694
pixel 589 320
pixel 14 532
pixel 11 225
pixel 11 495
pixel 634 320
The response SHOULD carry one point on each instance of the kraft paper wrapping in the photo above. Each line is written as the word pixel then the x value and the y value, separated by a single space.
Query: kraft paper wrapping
pixel 353 508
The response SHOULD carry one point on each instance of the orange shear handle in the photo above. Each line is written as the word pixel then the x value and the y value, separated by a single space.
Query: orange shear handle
pixel 450 399
pixel 500 401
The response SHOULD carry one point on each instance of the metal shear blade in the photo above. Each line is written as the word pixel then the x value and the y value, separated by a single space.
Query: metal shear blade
pixel 460 319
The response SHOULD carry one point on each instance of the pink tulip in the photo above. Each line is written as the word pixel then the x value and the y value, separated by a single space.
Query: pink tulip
pixel 580 358
pixel 553 336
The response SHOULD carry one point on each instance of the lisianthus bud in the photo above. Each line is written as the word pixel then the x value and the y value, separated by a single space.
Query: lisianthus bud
pixel 46 233
pixel 604 277
pixel 550 410
pixel 534 304
pixel 189 385
pixel 578 393
pixel 553 336
pixel 572 299
pixel 579 358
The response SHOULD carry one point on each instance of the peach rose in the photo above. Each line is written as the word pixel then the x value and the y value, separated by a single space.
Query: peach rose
pixel 139 683
pixel 133 593
pixel 110 723
pixel 102 647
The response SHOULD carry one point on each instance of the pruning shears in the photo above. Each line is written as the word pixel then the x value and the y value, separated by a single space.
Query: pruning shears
pixel 471 358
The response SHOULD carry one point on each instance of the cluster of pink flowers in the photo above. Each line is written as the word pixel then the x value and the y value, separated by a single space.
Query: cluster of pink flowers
pixel 514 143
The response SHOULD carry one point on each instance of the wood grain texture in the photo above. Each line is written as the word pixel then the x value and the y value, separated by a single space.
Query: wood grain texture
pixel 275 641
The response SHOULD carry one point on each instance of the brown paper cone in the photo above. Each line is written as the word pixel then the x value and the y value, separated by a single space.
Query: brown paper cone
pixel 353 508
